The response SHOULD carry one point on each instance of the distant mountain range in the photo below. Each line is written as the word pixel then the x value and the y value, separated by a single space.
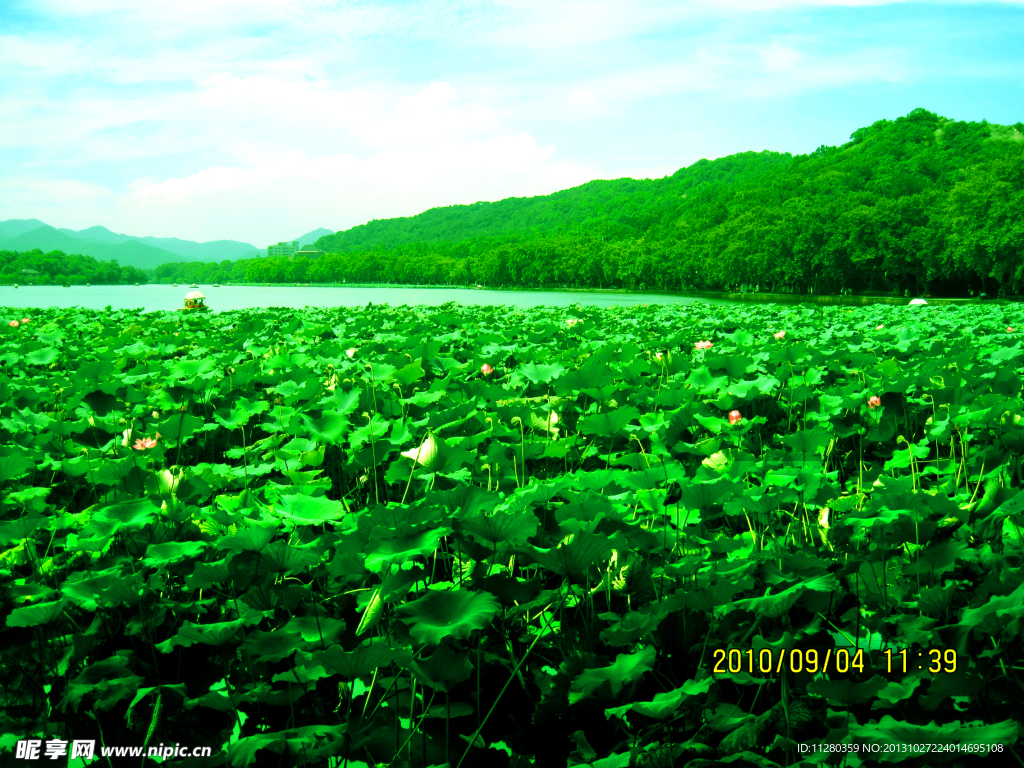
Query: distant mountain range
pixel 142 252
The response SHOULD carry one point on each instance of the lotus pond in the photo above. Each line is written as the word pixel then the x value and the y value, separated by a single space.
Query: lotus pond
pixel 647 536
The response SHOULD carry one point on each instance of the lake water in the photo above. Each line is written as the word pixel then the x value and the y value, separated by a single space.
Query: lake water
pixel 149 298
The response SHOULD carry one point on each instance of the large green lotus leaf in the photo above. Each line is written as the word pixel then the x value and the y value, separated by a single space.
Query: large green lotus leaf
pixel 628 630
pixel 240 413
pixel 298 445
pixel 664 704
pixel 891 731
pixel 882 431
pixel 1009 607
pixel 737 366
pixel 179 427
pixel 284 557
pixel 423 399
pixel 465 500
pixel 717 594
pixel 774 606
pixel 22 528
pixel 584 506
pixel 535 493
pixel 373 431
pixel 158 555
pixel 190 369
pixel 541 374
pixel 936 558
pixel 511 527
pixel 133 514
pixel 206 575
pixel 702 380
pixel 216 633
pixel 108 681
pixel 359 662
pixel 443 669
pixel 573 382
pixel 253 538
pixel 297 742
pixel 309 510
pixel 381 371
pixel 341 401
pixel 627 668
pixel 395 520
pixel 93 373
pixel 409 374
pixel 330 427
pixel 271 646
pixel 105 588
pixel 314 628
pixel 174 398
pixel 403 548
pixel 702 495
pixel 608 423
pixel 574 558
pixel 754 501
pixel 34 615
pixel 243 753
pixel 25 420
pixel 808 441
pixel 438 615
pixel 15 463
pixel 43 356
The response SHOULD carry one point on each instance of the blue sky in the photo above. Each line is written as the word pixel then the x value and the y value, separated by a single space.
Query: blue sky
pixel 258 121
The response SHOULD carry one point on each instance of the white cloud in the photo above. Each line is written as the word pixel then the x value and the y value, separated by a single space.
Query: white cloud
pixel 258 119
pixel 294 192
pixel 780 58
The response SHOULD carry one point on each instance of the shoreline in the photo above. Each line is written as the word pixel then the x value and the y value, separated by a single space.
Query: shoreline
pixel 751 298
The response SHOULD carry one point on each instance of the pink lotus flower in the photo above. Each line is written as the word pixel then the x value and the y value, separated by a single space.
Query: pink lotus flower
pixel 14 323
pixel 24 320
pixel 1009 329
pixel 874 401
pixel 703 345
pixel 780 335
pixel 486 370
pixel 144 443
pixel 350 351
pixel 735 417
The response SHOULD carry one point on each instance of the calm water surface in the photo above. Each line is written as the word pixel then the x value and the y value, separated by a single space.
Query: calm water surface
pixel 149 298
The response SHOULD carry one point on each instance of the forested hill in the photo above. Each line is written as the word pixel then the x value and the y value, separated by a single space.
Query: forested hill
pixel 920 203
pixel 609 209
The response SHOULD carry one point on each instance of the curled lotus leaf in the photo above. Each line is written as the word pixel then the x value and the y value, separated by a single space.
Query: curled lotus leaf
pixel 431 454
pixel 438 615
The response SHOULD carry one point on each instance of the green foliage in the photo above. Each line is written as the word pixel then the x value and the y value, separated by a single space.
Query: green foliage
pixel 57 267
pixel 578 559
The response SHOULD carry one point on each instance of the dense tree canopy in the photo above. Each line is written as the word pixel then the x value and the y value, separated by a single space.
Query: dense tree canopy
pixel 921 203
pixel 57 267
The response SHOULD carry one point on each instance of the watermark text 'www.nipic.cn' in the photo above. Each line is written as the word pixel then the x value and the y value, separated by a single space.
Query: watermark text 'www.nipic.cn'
pixel 36 749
